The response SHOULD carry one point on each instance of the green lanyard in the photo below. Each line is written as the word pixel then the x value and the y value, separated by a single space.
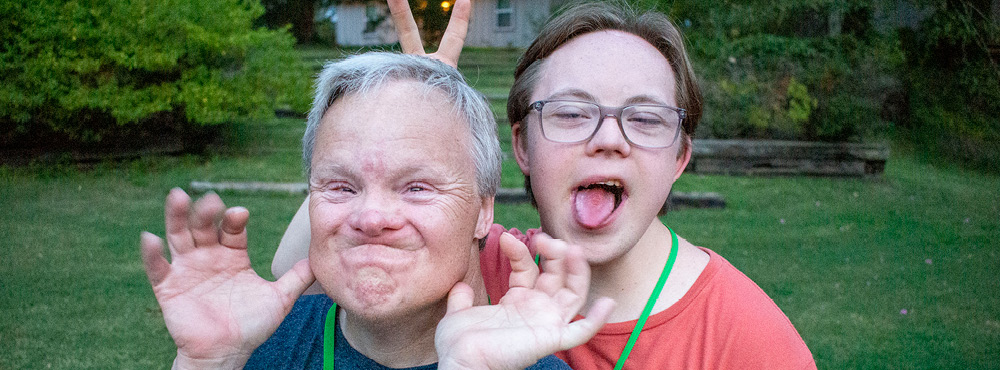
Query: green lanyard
pixel 330 331
pixel 651 302
pixel 329 337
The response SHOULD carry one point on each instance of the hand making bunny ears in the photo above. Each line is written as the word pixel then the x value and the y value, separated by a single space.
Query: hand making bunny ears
pixel 454 35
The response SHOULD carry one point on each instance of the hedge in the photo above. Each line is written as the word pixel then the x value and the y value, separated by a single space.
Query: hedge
pixel 82 68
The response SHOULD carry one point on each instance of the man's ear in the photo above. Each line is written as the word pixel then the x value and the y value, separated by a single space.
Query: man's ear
pixel 685 157
pixel 485 221
pixel 519 146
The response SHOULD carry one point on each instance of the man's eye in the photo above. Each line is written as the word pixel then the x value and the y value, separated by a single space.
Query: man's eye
pixel 342 189
pixel 416 188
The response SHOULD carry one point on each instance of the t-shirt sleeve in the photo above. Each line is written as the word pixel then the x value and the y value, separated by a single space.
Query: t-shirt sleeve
pixel 764 337
pixel 494 264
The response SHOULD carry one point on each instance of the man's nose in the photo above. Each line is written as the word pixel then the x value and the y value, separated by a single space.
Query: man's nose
pixel 609 138
pixel 376 215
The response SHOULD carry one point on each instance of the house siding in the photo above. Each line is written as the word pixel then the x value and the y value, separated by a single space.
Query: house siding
pixel 351 21
pixel 527 19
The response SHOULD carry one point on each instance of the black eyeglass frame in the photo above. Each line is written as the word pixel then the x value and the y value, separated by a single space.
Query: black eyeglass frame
pixel 605 112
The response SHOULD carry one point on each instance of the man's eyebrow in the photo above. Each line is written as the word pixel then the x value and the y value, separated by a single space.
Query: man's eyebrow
pixel 429 173
pixel 329 169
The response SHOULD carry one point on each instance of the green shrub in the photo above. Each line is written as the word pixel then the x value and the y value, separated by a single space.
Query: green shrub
pixel 954 83
pixel 800 103
pixel 86 68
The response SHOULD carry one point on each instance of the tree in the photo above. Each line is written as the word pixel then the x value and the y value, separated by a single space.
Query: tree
pixel 299 14
pixel 953 80
pixel 87 68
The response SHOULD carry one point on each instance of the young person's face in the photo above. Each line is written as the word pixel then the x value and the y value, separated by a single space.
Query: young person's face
pixel 574 184
pixel 394 207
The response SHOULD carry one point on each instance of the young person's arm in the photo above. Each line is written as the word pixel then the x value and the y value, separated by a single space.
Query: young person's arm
pixel 294 246
pixel 216 308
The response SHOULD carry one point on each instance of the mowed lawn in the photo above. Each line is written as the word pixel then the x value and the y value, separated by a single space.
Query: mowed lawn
pixel 896 272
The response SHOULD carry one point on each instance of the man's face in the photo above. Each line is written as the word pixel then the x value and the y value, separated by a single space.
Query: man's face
pixel 394 208
pixel 604 193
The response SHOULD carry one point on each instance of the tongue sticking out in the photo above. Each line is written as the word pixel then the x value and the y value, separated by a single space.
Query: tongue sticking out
pixel 594 206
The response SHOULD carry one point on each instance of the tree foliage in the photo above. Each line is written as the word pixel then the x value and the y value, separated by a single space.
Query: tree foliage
pixel 84 67
pixel 846 70
pixel 953 78
pixel 808 70
pixel 299 15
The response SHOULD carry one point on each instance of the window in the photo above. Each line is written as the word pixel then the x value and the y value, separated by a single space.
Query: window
pixel 505 15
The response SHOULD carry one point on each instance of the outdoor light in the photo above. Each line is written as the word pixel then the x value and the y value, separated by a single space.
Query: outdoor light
pixel 445 5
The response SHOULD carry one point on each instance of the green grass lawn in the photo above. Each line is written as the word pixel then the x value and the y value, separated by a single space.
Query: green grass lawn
pixel 842 257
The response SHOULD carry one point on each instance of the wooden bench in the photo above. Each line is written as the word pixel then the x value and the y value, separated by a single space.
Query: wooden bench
pixel 774 157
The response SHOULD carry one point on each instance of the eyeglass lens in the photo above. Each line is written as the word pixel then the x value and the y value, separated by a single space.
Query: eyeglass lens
pixel 643 125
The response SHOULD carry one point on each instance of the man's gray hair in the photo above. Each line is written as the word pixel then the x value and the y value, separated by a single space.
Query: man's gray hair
pixel 365 73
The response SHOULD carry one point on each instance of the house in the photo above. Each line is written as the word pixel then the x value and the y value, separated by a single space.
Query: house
pixel 364 23
pixel 494 23
pixel 515 23
pixel 508 23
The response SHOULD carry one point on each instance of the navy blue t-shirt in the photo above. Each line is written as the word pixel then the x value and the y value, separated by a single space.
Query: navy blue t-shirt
pixel 298 344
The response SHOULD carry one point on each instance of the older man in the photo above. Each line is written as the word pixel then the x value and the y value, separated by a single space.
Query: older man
pixel 397 215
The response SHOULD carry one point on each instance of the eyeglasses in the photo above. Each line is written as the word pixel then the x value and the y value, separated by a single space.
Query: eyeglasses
pixel 644 125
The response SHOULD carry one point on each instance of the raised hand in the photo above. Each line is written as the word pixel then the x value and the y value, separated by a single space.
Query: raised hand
pixel 532 321
pixel 216 308
pixel 452 40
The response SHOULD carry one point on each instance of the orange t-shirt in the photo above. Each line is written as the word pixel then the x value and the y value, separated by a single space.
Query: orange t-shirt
pixel 725 321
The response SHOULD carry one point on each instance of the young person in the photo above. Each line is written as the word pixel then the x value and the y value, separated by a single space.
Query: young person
pixel 396 225
pixel 602 110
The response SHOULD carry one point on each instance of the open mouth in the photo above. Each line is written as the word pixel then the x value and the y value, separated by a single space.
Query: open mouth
pixel 613 187
pixel 595 203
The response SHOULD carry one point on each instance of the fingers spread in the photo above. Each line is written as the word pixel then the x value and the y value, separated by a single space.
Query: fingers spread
pixel 156 266
pixel 460 297
pixel 454 36
pixel 523 268
pixel 176 210
pixel 406 27
pixel 233 232
pixel 207 211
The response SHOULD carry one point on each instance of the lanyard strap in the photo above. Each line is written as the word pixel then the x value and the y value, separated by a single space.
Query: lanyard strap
pixel 329 337
pixel 650 303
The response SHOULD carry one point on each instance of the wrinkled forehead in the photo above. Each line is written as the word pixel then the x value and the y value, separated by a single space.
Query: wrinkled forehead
pixel 383 91
pixel 397 105
pixel 406 125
